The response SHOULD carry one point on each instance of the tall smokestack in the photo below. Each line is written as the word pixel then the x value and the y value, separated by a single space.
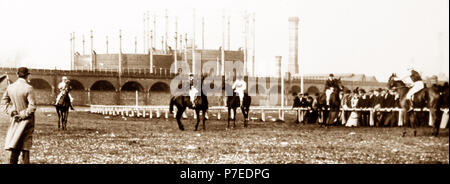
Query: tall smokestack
pixel 279 66
pixel 293 46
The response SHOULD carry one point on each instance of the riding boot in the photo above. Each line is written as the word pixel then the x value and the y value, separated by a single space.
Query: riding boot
pixel 25 157
pixel 14 158
pixel 410 104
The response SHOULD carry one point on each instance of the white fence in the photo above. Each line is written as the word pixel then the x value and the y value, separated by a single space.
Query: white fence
pixel 157 111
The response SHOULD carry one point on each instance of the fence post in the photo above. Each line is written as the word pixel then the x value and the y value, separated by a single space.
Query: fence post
pixel 218 114
pixel 400 117
pixel 158 113
pixel 263 116
pixel 371 121
pixel 430 119
pixel 444 119
pixel 150 115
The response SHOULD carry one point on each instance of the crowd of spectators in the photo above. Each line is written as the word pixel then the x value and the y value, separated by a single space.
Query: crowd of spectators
pixel 357 98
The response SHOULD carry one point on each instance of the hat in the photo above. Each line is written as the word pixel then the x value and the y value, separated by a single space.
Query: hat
pixel 22 72
pixel 64 78
pixel 331 75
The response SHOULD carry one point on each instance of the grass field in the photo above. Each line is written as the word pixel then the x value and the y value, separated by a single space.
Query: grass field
pixel 92 138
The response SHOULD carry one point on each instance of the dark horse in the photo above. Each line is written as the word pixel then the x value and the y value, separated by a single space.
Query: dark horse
pixel 62 109
pixel 182 102
pixel 427 97
pixel 233 102
pixel 328 113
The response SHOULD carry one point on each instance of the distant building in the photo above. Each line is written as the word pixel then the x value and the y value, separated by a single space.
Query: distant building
pixel 161 60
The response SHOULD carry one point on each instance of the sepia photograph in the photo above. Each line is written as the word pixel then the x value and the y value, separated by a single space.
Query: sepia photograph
pixel 224 82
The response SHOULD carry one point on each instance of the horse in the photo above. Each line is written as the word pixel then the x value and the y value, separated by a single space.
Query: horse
pixel 233 102
pixel 182 102
pixel 62 109
pixel 428 97
pixel 328 113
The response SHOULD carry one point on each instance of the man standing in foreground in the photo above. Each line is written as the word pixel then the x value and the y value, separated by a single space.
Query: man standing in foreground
pixel 20 106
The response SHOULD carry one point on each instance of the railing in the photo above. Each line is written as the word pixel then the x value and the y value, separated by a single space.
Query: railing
pixel 142 72
pixel 143 111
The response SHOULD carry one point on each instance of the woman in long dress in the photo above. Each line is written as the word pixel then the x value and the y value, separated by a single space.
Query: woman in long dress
pixel 353 119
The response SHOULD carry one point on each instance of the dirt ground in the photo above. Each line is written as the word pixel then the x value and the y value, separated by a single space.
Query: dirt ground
pixel 94 138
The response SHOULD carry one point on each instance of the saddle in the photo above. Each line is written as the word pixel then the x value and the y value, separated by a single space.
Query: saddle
pixel 61 100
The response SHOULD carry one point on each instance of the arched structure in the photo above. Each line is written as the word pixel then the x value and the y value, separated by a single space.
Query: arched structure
pixel 159 94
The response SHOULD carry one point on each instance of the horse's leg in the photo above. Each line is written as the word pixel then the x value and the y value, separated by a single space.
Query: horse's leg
pixel 63 120
pixel 180 112
pixel 197 112
pixel 245 116
pixel 234 117
pixel 229 113
pixel 59 117
pixel 204 118
pixel 66 119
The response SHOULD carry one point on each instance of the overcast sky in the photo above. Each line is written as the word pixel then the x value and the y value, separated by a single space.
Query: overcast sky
pixel 373 37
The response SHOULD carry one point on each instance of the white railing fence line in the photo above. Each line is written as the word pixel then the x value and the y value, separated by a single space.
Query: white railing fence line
pixel 147 111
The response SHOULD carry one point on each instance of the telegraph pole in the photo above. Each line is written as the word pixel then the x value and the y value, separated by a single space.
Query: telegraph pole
pixel 83 46
pixel 193 46
pixel 107 51
pixel 176 46
pixel 92 42
pixel 71 51
pixel 144 38
pixel 151 51
pixel 203 33
pixel 254 44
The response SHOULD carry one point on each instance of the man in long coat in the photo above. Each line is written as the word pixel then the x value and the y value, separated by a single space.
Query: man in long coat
pixel 20 106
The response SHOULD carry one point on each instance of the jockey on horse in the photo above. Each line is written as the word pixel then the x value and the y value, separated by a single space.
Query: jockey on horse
pixel 414 81
pixel 192 90
pixel 64 88
pixel 330 85
pixel 239 86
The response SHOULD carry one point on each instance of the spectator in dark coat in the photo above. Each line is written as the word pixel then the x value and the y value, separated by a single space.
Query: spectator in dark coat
pixel 296 104
pixel 389 102
pixel 363 102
